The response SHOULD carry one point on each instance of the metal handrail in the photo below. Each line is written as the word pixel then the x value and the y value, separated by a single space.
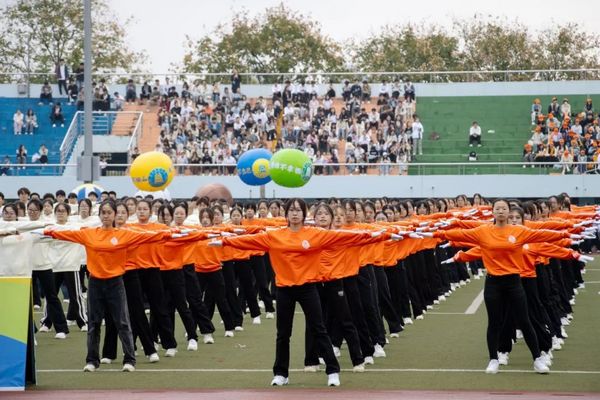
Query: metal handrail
pixel 136 135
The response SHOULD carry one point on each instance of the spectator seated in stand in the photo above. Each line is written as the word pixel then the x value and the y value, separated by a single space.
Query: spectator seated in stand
pixel 46 94
pixel 475 135
pixel 56 116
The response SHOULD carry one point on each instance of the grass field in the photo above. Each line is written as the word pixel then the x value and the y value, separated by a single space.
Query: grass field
pixel 445 351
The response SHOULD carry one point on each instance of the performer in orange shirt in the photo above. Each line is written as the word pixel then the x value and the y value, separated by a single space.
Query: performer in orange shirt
pixel 295 253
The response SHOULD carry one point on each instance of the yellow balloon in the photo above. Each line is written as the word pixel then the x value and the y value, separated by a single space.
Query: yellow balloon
pixel 260 168
pixel 152 171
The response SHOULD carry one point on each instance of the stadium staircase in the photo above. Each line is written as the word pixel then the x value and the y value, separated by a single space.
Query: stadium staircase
pixel 150 127
pixel 44 134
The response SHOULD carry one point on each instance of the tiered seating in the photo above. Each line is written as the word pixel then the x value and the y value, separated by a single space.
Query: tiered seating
pixel 45 133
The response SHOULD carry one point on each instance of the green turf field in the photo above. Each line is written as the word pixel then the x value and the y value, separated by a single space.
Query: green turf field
pixel 445 351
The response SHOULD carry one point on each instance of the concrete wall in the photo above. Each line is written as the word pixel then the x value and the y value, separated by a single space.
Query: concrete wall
pixel 422 89
pixel 534 186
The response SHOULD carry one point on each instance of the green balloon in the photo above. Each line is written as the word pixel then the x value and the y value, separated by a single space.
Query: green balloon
pixel 290 168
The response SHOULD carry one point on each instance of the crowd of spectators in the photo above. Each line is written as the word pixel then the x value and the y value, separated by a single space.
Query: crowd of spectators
pixel 202 124
pixel 564 136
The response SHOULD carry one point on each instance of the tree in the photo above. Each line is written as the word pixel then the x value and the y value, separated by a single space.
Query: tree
pixel 408 48
pixel 36 34
pixel 276 41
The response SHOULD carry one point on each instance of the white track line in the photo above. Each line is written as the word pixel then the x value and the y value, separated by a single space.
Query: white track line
pixel 230 370
pixel 475 304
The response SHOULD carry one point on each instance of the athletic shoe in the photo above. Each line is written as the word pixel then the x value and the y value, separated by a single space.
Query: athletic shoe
pixel 561 341
pixel 565 321
pixel 570 317
pixel 71 322
pixel 170 352
pixel 503 358
pixel 581 285
pixel 333 379
pixel 477 276
pixel 369 361
pixel 407 321
pixel 84 328
pixel 572 302
pixel 311 368
pixel 430 307
pixel 256 321
pixel 36 307
pixel 468 280
pixel 436 302
pixel 156 346
pixel 229 334
pixel 379 352
pixel 563 332
pixel 359 368
pixel 89 368
pixel 60 335
pixel 105 361
pixel 575 292
pixel 556 344
pixel 387 341
pixel 44 328
pixel 519 334
pixel 192 345
pixel 153 358
pixel 279 380
pixel 261 304
pixel 270 315
pixel 238 329
pixel 492 367
pixel 128 368
pixel 208 339
pixel 442 297
pixel 337 352
pixel 395 335
pixel 539 366
pixel 546 358
pixel 321 361
pixel 419 317
pixel 462 283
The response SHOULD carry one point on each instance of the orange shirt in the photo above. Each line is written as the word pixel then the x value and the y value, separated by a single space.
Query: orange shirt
pixel 107 249
pixel 533 251
pixel 342 261
pixel 295 256
pixel 146 255
pixel 501 247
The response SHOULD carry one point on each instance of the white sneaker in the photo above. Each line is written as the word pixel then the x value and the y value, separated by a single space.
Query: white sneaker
pixel 192 345
pixel 419 317
pixel 238 329
pixel 84 328
pixel 36 307
pixel 257 321
pixel 311 368
pixel 229 334
pixel 153 358
pixel 430 307
pixel 333 379
pixel 581 286
pixel 442 297
pixel 71 322
pixel 369 361
pixel 570 317
pixel 44 328
pixel 387 341
pixel 563 332
pixel 170 352
pixel 575 291
pixel 208 339
pixel 477 276
pixel 503 358
pixel 89 368
pixel 462 283
pixel 561 341
pixel 270 315
pixel 492 367
pixel 105 361
pixel 539 366
pixel 321 361
pixel 547 358
pixel 279 380
pixel 395 335
pixel 379 352
pixel 60 335
pixel 572 302
pixel 519 334
pixel 336 351
pixel 436 302
pixel 359 368
pixel 128 368
pixel 565 321
pixel 408 321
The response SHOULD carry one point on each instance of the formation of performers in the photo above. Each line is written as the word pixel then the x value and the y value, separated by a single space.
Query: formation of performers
pixel 360 270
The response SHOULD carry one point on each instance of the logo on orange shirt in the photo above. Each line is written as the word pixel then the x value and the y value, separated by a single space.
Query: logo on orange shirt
pixel 305 244
pixel 114 241
pixel 512 239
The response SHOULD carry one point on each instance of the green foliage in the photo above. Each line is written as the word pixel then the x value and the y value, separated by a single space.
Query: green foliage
pixel 37 33
pixel 277 41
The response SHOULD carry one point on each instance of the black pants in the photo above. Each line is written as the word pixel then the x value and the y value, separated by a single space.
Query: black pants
pixel 384 299
pixel 416 301
pixel 54 312
pixel 212 285
pixel 359 319
pixel 229 270
pixel 193 294
pixel 474 139
pixel 62 84
pixel 502 291
pixel 77 310
pixel 247 289
pixel 308 297
pixel 338 322
pixel 550 308
pixel 262 287
pixel 174 283
pixel 367 286
pixel 137 317
pixel 153 289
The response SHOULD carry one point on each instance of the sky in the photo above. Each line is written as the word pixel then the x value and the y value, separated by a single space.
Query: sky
pixel 160 26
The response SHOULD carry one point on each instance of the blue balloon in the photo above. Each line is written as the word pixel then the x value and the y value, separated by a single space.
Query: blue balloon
pixel 253 167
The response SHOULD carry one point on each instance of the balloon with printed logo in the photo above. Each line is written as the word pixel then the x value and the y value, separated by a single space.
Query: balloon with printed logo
pixel 291 168
pixel 152 171
pixel 82 191
pixel 253 167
